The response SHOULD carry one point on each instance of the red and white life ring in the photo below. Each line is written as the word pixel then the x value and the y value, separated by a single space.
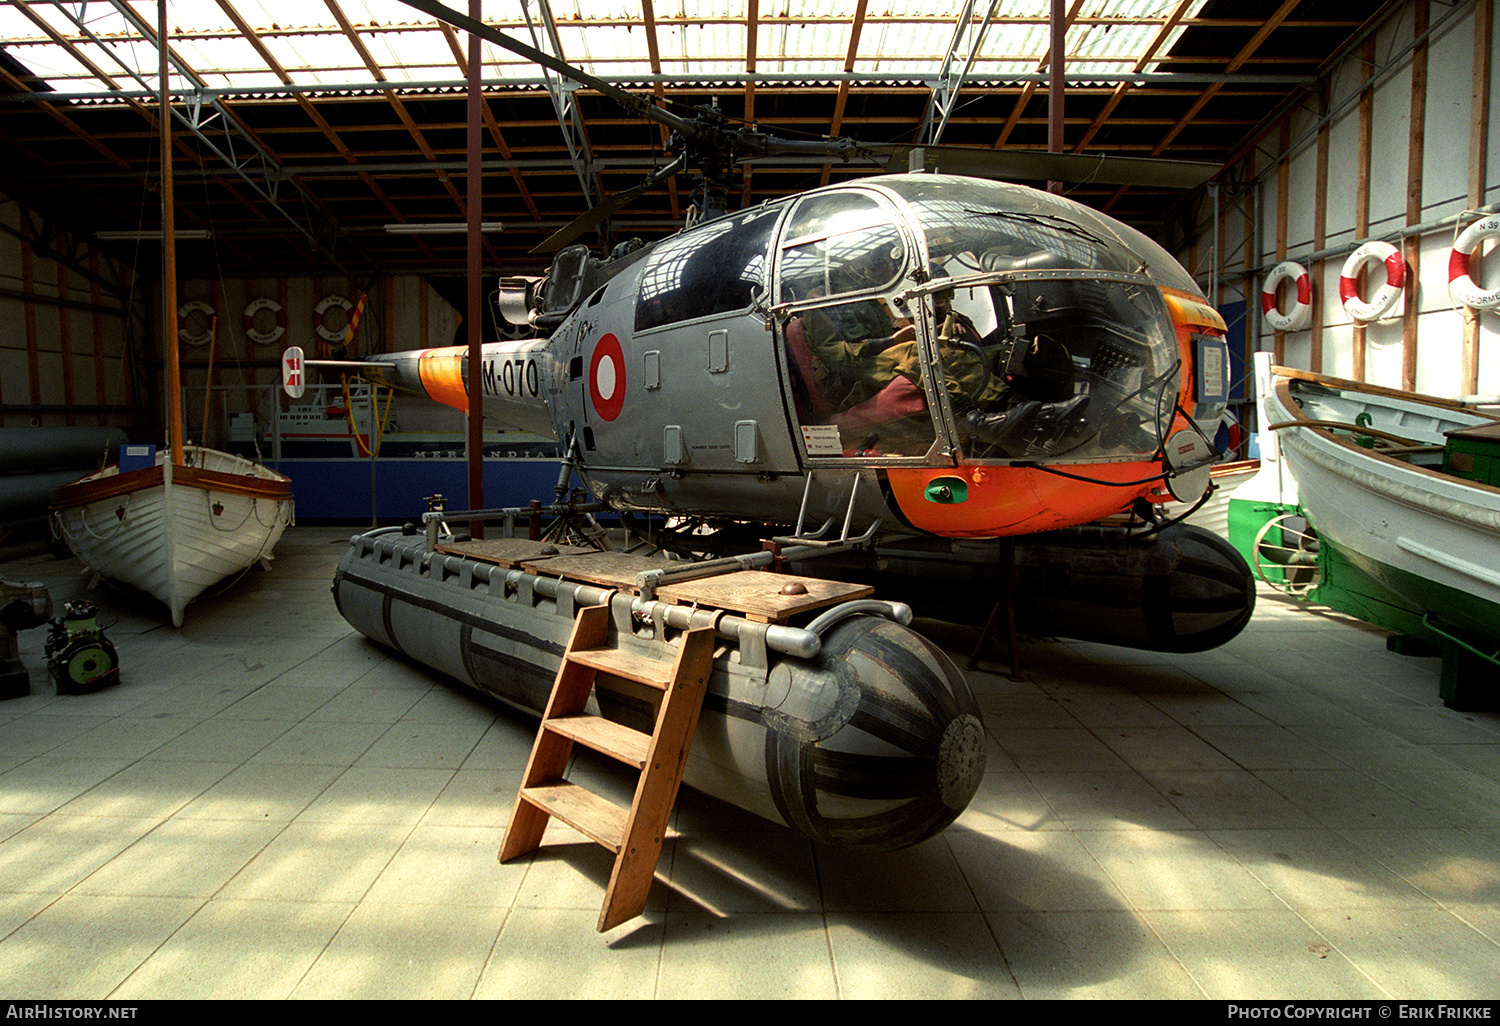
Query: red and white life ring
pixel 265 321
pixel 1461 284
pixel 324 331
pixel 195 323
pixel 1385 297
pixel 1300 314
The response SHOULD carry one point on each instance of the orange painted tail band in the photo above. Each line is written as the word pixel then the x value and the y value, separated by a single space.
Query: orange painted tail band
pixel 442 374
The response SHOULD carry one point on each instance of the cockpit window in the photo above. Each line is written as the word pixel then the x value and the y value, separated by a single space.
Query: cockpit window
pixel 853 356
pixel 1057 366
pixel 712 269
pixel 839 243
pixel 857 381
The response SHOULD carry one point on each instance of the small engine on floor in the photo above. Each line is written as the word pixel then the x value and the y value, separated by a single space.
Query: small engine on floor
pixel 79 656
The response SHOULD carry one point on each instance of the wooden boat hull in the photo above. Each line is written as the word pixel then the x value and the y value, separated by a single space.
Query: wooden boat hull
pixel 1432 539
pixel 173 532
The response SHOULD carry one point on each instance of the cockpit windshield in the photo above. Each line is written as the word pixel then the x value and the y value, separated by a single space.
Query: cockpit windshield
pixel 993 226
pixel 1057 366
pixel 1042 321
pixel 838 243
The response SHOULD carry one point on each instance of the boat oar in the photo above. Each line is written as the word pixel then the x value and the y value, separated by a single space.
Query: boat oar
pixel 1336 425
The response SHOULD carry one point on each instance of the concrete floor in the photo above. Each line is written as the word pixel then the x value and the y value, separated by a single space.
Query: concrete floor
pixel 269 806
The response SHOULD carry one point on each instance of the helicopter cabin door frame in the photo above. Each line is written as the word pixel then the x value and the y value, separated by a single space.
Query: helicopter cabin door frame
pixel 858 377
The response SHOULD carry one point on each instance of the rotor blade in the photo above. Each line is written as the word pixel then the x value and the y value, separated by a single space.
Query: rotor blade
pixel 1038 165
pixel 570 231
pixel 576 227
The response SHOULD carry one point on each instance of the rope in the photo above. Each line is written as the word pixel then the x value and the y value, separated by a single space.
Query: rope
pixel 378 420
pixel 83 520
pixel 213 517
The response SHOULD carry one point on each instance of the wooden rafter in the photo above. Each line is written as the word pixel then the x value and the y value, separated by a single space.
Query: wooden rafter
pixel 1235 64
pixel 492 125
pixel 397 106
pixel 836 123
pixel 1478 157
pixel 1411 246
pixel 253 38
pixel 1028 92
pixel 1147 56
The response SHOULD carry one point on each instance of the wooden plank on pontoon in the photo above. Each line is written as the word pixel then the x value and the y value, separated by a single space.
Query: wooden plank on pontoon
pixel 761 595
pixel 606 569
pixel 509 552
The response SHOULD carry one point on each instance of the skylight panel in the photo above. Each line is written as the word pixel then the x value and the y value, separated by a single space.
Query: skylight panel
pixel 605 51
pixel 54 66
pixel 911 50
pixel 33 48
pixel 713 48
pixel 803 48
pixel 1137 23
pixel 806 39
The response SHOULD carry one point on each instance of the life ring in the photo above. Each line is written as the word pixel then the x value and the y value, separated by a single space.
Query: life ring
pixel 324 331
pixel 1300 314
pixel 1385 297
pixel 195 323
pixel 265 321
pixel 1461 284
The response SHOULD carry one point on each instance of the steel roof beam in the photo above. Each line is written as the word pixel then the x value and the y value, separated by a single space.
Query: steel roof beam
pixel 148 110
pixel 946 89
pixel 256 167
pixel 868 80
pixel 562 93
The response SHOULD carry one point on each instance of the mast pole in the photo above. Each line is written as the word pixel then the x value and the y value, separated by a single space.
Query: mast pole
pixel 474 310
pixel 169 253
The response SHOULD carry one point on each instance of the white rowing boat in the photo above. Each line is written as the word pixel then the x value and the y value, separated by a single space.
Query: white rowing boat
pixel 175 531
pixel 1405 488
pixel 175 528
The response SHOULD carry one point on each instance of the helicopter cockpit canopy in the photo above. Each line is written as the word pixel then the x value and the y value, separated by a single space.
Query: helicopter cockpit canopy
pixel 1001 227
pixel 1036 329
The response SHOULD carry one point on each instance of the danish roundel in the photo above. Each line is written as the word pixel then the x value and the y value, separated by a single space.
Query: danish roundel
pixel 607 377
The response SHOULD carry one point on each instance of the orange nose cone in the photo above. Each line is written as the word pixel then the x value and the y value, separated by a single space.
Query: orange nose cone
pixel 1000 500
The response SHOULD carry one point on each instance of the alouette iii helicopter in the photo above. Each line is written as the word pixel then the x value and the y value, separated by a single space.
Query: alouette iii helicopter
pixel 942 388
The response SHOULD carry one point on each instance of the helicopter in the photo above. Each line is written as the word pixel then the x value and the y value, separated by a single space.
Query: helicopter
pixel 913 358
pixel 934 362
pixel 944 388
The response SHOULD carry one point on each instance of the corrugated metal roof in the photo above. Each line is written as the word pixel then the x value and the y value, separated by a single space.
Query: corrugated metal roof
pixel 347 115
pixel 902 39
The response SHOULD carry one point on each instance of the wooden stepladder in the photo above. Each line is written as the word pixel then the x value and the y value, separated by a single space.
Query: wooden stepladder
pixel 634 834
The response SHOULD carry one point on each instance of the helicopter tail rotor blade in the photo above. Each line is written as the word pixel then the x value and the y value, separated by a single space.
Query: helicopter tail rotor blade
pixel 1038 165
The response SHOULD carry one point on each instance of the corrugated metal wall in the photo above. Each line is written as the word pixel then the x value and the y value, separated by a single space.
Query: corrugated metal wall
pixel 1400 144
pixel 66 357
